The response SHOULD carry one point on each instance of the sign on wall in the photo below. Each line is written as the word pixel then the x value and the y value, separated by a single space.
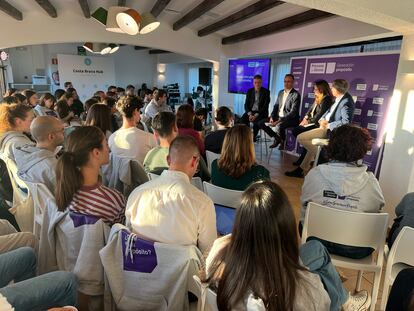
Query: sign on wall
pixel 371 78
pixel 88 74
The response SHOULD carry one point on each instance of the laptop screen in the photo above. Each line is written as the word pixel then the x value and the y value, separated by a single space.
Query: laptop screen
pixel 224 218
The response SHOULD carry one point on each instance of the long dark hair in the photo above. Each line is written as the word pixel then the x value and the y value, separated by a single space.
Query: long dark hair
pixel 99 115
pixel 78 147
pixel 262 256
pixel 323 88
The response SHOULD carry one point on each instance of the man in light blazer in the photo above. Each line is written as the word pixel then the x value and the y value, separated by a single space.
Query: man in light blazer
pixel 256 105
pixel 285 112
pixel 340 113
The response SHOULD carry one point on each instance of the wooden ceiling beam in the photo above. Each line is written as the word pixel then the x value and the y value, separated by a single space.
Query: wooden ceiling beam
pixel 48 7
pixel 158 52
pixel 301 19
pixel 195 13
pixel 159 6
pixel 250 11
pixel 121 2
pixel 10 10
pixel 85 8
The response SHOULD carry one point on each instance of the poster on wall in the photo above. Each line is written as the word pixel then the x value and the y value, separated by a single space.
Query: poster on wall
pixel 371 78
pixel 88 74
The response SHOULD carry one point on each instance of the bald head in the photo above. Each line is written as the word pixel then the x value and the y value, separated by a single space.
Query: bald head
pixel 42 126
pixel 184 155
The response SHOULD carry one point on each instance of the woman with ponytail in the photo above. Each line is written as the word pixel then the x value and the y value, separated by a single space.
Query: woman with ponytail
pixel 77 177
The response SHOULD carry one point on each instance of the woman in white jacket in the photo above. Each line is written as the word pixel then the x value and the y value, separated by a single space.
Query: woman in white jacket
pixel 344 182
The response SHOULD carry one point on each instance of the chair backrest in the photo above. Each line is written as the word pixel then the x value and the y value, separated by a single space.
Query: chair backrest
pixel 345 227
pixel 401 250
pixel 223 196
pixel 146 275
pixel 211 156
pixel 208 298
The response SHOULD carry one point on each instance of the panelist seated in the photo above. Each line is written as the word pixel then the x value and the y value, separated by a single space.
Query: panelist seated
pixel 256 105
pixel 285 112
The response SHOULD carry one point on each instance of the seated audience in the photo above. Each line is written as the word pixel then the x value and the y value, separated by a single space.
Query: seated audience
pixel 21 290
pixel 120 91
pixel 401 296
pixel 129 141
pixel 185 123
pixel 21 98
pixel 15 120
pixel 88 104
pixel 130 90
pixel 214 140
pixel 340 113
pixel 200 119
pixel 65 115
pixel 148 98
pixel 77 106
pixel 36 164
pixel 112 88
pixel 100 94
pixel 31 97
pixel 59 93
pixel 116 119
pixel 272 272
pixel 10 239
pixel 67 85
pixel 46 106
pixel 323 101
pixel 111 95
pixel 169 209
pixel 158 104
pixel 344 182
pixel 77 177
pixel 99 115
pixel 404 213
pixel 237 168
pixel 10 92
pixel 8 100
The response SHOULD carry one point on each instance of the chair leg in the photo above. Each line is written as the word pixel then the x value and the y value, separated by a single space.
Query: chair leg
pixel 318 152
pixel 375 289
pixel 359 281
pixel 385 291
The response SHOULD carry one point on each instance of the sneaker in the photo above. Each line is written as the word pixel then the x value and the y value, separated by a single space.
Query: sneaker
pixel 360 301
pixel 297 172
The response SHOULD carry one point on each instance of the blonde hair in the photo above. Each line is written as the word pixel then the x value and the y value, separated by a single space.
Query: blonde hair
pixel 9 114
pixel 237 154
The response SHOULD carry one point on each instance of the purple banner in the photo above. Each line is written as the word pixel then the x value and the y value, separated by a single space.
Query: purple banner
pixel 139 255
pixel 298 69
pixel 81 219
pixel 242 71
pixel 371 79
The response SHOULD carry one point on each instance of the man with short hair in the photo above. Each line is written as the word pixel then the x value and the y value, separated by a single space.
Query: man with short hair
pixel 112 88
pixel 129 141
pixel 256 105
pixel 36 164
pixel 169 209
pixel 165 130
pixel 285 112
pixel 130 90
pixel 214 140
pixel 67 85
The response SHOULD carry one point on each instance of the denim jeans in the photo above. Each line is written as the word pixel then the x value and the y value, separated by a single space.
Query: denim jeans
pixel 316 258
pixel 55 289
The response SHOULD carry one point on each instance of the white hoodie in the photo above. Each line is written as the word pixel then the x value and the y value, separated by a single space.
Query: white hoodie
pixel 343 186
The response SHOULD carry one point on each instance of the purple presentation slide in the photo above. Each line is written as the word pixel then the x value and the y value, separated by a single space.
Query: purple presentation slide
pixel 371 79
pixel 242 71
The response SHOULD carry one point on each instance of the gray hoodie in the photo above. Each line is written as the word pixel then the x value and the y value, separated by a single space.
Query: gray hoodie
pixel 10 140
pixel 36 165
pixel 343 186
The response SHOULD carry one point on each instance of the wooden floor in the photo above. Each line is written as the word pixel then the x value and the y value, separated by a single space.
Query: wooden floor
pixel 278 164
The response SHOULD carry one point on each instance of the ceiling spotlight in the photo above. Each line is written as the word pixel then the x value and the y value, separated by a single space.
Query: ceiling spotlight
pixel 111 24
pixel 113 47
pixel 129 21
pixel 100 15
pixel 148 23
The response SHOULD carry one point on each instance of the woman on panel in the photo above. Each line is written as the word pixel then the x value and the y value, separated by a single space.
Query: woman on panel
pixel 237 168
pixel 77 177
pixel 323 101
pixel 260 266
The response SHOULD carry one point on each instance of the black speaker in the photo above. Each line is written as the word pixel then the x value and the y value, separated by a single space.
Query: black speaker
pixel 204 76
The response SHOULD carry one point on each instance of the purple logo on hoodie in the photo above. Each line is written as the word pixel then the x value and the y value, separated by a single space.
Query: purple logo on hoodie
pixel 139 255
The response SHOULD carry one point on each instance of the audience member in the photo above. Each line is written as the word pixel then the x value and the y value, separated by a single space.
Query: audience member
pixel 256 105
pixel 130 90
pixel 260 265
pixel 129 141
pixel 340 113
pixel 185 123
pixel 77 177
pixel 67 85
pixel 116 118
pixel 65 115
pixel 36 164
pixel 31 97
pixel 237 168
pixel 224 119
pixel 46 106
pixel 100 94
pixel 344 182
pixel 120 91
pixel 157 104
pixel 10 92
pixel 169 209
pixel 21 98
pixel 8 100
pixel 99 115
pixel 77 106
pixel 200 119
pixel 59 93
pixel 401 296
pixel 405 217
pixel 88 104
pixel 323 101
pixel 111 95
pixel 21 290
pixel 112 88
pixel 285 112
pixel 149 96
pixel 15 120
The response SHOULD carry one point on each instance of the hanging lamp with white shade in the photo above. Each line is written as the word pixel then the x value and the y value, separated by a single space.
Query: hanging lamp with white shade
pixel 149 23
pixel 129 21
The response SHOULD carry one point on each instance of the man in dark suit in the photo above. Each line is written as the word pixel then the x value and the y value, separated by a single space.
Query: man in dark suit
pixel 285 112
pixel 256 105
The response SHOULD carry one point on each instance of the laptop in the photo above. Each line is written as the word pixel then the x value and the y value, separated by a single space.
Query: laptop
pixel 225 217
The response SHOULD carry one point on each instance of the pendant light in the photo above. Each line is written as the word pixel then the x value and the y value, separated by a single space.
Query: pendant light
pixel 100 15
pixel 129 21
pixel 111 22
pixel 148 23
pixel 113 47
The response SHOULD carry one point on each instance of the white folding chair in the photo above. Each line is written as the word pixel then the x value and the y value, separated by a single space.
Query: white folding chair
pixel 207 299
pixel 399 258
pixel 352 229
pixel 319 142
pixel 223 196
pixel 211 156
pixel 198 183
